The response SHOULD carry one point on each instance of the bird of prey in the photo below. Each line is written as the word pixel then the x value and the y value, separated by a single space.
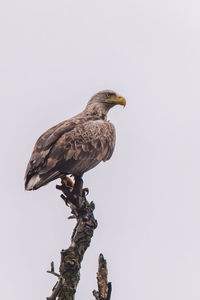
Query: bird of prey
pixel 76 145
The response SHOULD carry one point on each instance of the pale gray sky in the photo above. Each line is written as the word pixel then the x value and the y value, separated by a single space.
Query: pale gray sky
pixel 54 55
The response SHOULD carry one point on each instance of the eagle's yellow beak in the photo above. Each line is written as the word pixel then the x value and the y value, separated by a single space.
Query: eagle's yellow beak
pixel 117 100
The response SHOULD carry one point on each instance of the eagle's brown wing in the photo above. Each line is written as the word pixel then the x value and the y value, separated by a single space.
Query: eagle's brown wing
pixel 72 149
pixel 44 145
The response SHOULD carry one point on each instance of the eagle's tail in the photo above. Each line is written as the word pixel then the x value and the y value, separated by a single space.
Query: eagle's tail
pixel 36 181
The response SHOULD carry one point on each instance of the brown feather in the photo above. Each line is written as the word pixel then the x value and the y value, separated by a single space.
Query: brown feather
pixel 71 147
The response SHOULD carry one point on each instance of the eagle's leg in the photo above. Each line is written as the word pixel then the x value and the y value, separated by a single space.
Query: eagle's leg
pixel 65 180
pixel 78 185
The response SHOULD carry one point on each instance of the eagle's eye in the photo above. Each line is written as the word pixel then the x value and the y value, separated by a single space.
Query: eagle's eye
pixel 109 95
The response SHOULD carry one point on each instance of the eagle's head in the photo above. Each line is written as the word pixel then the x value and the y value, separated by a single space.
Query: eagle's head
pixel 101 102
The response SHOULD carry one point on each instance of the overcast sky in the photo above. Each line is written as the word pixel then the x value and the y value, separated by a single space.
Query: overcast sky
pixel 54 56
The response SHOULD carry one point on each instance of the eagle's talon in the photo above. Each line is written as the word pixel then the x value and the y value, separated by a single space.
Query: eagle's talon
pixel 64 198
pixel 85 192
pixel 71 217
pixel 59 187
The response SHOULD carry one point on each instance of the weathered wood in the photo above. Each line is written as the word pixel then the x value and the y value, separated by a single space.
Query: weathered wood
pixel 71 258
pixel 104 287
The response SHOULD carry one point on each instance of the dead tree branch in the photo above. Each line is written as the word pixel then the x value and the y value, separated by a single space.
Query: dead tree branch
pixel 104 287
pixel 71 258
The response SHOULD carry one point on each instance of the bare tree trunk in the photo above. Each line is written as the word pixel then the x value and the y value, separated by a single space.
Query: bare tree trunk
pixel 71 258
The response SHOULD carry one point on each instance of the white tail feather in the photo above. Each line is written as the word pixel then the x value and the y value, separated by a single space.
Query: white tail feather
pixel 32 182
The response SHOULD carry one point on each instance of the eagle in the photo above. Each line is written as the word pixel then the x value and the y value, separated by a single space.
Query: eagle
pixel 76 145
